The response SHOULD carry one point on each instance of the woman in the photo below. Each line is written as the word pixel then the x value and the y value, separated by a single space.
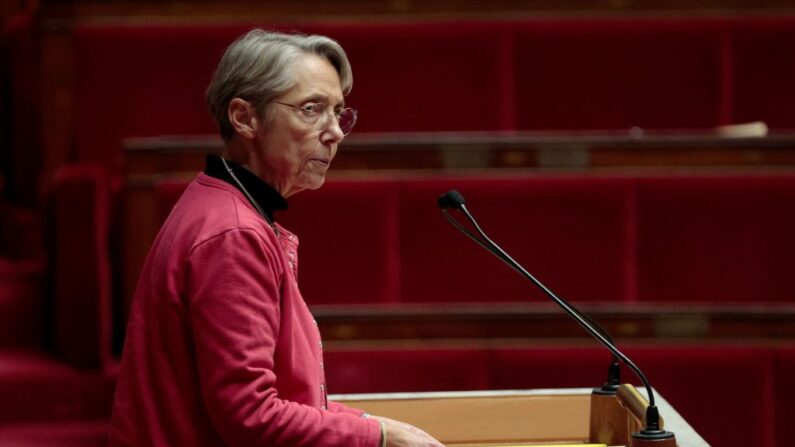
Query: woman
pixel 221 349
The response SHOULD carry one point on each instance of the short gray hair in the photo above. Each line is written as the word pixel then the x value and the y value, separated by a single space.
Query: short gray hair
pixel 257 67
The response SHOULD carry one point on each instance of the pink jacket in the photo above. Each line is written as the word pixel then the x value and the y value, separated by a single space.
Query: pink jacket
pixel 221 349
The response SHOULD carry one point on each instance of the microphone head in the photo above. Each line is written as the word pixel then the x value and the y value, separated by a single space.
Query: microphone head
pixel 450 199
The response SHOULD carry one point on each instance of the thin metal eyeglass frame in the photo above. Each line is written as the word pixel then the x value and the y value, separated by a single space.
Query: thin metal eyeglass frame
pixel 336 115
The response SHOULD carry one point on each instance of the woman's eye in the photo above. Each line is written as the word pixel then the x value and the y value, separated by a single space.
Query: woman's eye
pixel 312 107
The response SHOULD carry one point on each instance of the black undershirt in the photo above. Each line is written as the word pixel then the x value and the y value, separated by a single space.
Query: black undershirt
pixel 267 198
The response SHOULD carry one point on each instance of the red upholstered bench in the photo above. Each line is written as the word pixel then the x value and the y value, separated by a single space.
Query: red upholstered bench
pixel 569 231
pixel 81 265
pixel 716 238
pixel 21 303
pixel 348 239
pixel 385 241
pixel 92 433
pixel 656 73
pixel 707 238
pixel 724 392
pixel 349 242
pixel 590 238
pixel 397 370
pixel 662 238
pixel 38 387
pixel 784 392
pixel 69 374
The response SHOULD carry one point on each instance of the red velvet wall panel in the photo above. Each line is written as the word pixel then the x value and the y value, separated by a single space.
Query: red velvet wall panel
pixel 569 232
pixel 615 74
pixel 167 194
pixel 725 393
pixel 763 53
pixel 784 391
pixel 20 154
pixel 348 242
pixel 81 266
pixel 549 367
pixel 716 238
pixel 142 81
pixel 588 238
pixel 397 370
pixel 424 76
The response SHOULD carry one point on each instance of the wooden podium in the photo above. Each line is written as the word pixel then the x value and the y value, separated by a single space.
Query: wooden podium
pixel 530 417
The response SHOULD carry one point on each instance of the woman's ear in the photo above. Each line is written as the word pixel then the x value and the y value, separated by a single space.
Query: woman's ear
pixel 243 118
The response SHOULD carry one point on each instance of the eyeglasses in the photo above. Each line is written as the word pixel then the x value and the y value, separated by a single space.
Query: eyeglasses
pixel 317 114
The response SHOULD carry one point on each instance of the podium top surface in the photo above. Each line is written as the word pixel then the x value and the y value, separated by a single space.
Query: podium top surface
pixel 577 398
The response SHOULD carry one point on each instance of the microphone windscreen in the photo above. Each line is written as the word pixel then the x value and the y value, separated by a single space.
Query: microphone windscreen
pixel 450 199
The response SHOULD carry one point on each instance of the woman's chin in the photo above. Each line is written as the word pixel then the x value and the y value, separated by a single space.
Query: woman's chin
pixel 312 183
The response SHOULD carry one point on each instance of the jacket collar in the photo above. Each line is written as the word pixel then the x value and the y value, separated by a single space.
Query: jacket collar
pixel 266 197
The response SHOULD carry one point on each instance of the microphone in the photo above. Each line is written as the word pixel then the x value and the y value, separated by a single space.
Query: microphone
pixel 652 431
pixel 451 199
pixel 454 199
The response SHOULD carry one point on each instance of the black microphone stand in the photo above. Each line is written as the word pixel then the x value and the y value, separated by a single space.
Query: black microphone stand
pixel 652 430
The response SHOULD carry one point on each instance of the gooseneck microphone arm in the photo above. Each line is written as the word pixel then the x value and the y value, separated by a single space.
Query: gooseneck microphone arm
pixel 453 199
pixel 450 201
pixel 504 257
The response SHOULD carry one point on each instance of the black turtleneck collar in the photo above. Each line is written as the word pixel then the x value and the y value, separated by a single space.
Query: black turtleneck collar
pixel 267 198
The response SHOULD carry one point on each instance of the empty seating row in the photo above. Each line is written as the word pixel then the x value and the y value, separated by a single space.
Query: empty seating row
pixel 420 76
pixel 712 238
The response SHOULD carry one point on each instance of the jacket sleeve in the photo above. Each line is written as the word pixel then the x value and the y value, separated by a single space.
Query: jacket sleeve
pixel 232 289
pixel 336 407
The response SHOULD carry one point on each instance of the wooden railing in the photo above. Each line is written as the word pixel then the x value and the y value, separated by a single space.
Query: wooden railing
pixel 540 321
pixel 634 149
